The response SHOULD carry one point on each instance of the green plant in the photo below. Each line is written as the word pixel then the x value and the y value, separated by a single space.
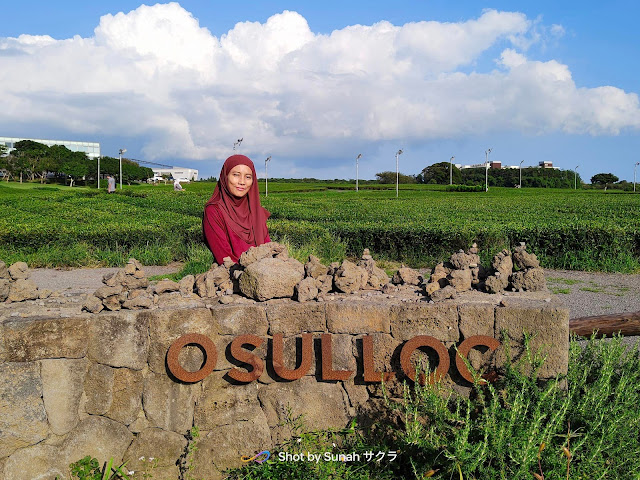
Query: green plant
pixel 88 468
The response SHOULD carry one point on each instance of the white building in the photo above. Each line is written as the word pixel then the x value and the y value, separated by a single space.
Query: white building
pixel 181 173
pixel 90 149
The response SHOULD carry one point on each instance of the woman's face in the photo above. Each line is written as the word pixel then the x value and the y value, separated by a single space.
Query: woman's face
pixel 239 180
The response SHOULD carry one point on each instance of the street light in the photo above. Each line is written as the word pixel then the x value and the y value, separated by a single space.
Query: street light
pixel 486 170
pixel 237 144
pixel 575 178
pixel 398 153
pixel 266 176
pixel 357 158
pixel 521 173
pixel 634 176
pixel 451 170
pixel 98 172
pixel 120 152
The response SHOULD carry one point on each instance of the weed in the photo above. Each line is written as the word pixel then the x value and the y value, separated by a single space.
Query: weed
pixel 566 281
pixel 558 290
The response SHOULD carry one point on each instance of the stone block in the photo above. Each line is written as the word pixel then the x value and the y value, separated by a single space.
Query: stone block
pixel 98 389
pixel 291 318
pixel 167 404
pixel 62 386
pixel 99 437
pixel 355 318
pixel 166 326
pixel 34 339
pixel 37 462
pixel 271 278
pixel 344 352
pixel 163 447
pixel 322 405
pixel 548 324
pixel 476 319
pixel 240 319
pixel 222 448
pixel 224 403
pixel 119 339
pixel 439 320
pixel 126 396
pixel 23 419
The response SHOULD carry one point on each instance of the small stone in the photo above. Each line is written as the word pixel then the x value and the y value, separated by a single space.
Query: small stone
pixel 306 290
pixel 106 291
pixel 186 284
pixel 112 303
pixel 138 302
pixel 166 285
pixel 4 272
pixel 92 304
pixel 406 276
pixel 227 262
pixel 226 300
pixel 129 269
pixel 444 294
pixel 21 290
pixel 19 271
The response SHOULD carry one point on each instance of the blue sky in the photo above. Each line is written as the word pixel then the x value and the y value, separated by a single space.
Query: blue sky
pixel 315 83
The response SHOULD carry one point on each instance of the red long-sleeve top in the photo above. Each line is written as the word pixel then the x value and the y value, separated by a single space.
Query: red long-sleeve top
pixel 223 242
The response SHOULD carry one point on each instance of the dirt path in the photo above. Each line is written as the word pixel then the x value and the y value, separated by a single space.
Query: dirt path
pixel 584 293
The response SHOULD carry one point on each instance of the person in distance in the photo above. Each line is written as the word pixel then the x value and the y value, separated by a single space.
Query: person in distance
pixel 233 218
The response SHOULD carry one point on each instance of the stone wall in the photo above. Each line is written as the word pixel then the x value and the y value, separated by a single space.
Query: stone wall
pixel 82 384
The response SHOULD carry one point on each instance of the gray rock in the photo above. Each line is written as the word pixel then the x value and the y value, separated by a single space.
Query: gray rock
pixel 271 278
pixel 460 260
pixel 4 271
pixel 255 254
pixel 313 268
pixel 5 286
pixel 119 340
pixel 98 389
pixel 112 303
pixel 324 283
pixel 92 304
pixel 21 290
pixel 106 291
pixel 138 303
pixel 496 283
pixel 19 271
pixel 113 279
pixel 531 280
pixel 523 260
pixel 165 285
pixel 38 462
pixel 62 386
pixel 99 437
pixel 306 290
pixel 167 404
pixel 23 420
pixel 164 447
pixel 444 294
pixel 349 277
pixel 186 284
pixel 407 276
pixel 460 280
pixel 502 263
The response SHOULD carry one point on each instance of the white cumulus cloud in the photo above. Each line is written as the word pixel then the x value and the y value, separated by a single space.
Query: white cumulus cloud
pixel 155 73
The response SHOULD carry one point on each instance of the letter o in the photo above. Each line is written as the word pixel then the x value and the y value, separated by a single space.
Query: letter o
pixel 425 341
pixel 465 347
pixel 210 357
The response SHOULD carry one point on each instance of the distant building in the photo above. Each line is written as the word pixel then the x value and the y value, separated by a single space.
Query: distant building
pixel 494 165
pixel 180 173
pixel 546 165
pixel 90 149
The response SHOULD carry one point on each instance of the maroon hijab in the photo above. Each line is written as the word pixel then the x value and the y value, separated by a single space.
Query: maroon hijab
pixel 245 216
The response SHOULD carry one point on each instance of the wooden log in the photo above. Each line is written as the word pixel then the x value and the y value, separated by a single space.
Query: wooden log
pixel 628 324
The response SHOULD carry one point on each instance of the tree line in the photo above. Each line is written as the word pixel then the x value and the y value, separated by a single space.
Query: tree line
pixel 33 160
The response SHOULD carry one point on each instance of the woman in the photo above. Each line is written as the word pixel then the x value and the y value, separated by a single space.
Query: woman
pixel 233 219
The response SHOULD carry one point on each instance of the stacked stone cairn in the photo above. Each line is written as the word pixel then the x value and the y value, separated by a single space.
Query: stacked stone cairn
pixel 267 272
pixel 463 272
pixel 15 285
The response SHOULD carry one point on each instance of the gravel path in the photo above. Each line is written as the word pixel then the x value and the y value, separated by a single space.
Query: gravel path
pixel 584 293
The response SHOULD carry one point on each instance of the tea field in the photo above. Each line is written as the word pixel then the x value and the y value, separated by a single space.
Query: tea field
pixel 52 225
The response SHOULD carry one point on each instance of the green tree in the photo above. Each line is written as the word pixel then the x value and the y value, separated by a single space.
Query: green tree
pixel 390 177
pixel 75 166
pixel 438 173
pixel 31 155
pixel 604 179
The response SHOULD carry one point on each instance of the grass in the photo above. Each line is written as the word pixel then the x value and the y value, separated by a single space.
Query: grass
pixel 557 290
pixel 582 426
pixel 62 226
pixel 566 281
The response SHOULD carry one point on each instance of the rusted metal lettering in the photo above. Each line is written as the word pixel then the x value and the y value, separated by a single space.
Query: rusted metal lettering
pixel 465 347
pixel 278 362
pixel 210 357
pixel 328 373
pixel 369 372
pixel 244 356
pixel 424 341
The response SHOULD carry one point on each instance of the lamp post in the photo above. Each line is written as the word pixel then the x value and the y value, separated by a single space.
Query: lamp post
pixel 357 158
pixel 451 170
pixel 398 153
pixel 575 178
pixel 635 167
pixel 520 174
pixel 237 144
pixel 120 152
pixel 266 176
pixel 98 173
pixel 486 169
